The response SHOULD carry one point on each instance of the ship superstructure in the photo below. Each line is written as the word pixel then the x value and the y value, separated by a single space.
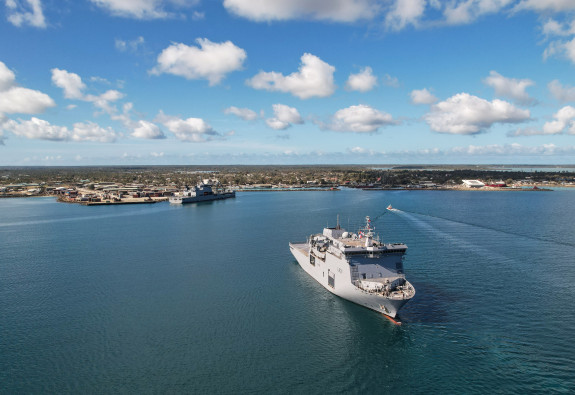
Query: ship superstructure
pixel 203 191
pixel 357 267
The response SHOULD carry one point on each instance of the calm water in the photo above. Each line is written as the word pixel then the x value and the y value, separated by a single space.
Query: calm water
pixel 207 298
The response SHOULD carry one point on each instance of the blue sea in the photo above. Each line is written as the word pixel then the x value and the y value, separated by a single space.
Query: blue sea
pixel 206 298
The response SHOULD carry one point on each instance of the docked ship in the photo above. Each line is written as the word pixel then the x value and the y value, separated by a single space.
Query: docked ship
pixel 202 192
pixel 357 267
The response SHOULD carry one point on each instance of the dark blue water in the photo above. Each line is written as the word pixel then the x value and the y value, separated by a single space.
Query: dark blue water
pixel 207 298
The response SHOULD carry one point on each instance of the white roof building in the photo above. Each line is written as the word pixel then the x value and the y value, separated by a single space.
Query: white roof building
pixel 473 183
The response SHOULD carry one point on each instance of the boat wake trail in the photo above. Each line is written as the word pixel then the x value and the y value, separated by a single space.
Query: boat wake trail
pixel 545 240
pixel 433 229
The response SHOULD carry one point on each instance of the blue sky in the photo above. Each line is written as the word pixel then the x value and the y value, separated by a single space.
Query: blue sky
pixel 122 82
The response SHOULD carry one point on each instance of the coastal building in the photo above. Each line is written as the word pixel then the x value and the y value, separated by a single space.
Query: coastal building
pixel 473 184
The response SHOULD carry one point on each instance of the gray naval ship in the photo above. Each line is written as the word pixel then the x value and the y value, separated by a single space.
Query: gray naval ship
pixel 357 267
pixel 202 192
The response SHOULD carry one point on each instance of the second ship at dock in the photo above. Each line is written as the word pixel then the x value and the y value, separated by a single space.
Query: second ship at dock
pixel 357 267
pixel 202 192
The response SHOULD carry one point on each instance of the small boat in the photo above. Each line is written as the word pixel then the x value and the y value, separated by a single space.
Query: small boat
pixel 389 207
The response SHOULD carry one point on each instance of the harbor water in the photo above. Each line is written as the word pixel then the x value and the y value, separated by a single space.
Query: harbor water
pixel 207 298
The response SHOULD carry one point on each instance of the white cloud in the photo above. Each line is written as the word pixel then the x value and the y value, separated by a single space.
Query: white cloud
pixel 7 77
pixel 130 45
pixel 211 61
pixel 563 49
pixel 3 120
pixel 146 130
pixel 40 129
pixel 358 119
pixel 466 11
pixel 554 28
pixel 244 113
pixel 284 117
pixel 422 96
pixel 562 93
pixel 363 81
pixel 334 10
pixel 191 129
pixel 513 150
pixel 564 119
pixel 74 88
pixel 91 131
pixel 405 12
pixel 511 88
pixel 390 81
pixel 142 9
pixel 467 114
pixel 71 83
pixel 17 100
pixel 314 78
pixel 25 12
pixel 546 5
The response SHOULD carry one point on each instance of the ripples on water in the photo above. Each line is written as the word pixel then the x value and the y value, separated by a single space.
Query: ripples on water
pixel 207 298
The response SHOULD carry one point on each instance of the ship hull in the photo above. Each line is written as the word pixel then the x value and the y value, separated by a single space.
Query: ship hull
pixel 204 198
pixel 334 275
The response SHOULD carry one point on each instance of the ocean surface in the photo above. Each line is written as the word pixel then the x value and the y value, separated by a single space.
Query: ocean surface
pixel 206 298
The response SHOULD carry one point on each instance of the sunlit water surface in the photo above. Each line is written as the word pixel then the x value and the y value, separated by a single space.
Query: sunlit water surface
pixel 207 297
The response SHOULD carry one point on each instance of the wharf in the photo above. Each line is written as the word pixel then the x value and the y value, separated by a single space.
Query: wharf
pixel 115 202
pixel 287 190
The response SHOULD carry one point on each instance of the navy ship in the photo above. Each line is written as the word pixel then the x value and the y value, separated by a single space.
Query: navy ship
pixel 357 267
pixel 202 192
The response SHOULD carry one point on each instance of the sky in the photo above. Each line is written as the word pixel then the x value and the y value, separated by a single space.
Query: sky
pixel 200 82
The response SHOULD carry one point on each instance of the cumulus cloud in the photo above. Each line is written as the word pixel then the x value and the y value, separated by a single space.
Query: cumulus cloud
pixel 551 27
pixel 513 150
pixel 466 11
pixel 71 83
pixel 422 96
pixel 7 77
pixel 40 129
pixel 511 88
pixel 244 113
pixel 564 47
pixel 74 88
pixel 24 101
pixel 564 121
pixel 191 129
pixel 211 61
pixel 313 79
pixel 25 12
pixel 17 100
pixel 146 130
pixel 363 81
pixel 358 119
pixel 467 114
pixel 404 13
pixel 333 10
pixel 560 92
pixel 284 117
pixel 142 9
pixel 546 5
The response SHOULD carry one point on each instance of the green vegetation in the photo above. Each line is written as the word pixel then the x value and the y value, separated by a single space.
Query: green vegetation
pixel 353 175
